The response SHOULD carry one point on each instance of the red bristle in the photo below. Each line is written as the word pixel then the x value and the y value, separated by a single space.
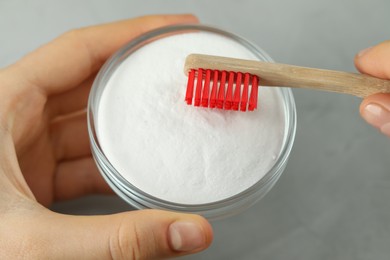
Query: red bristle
pixel 213 96
pixel 237 92
pixel 206 87
pixel 237 97
pixel 221 92
pixel 244 98
pixel 253 95
pixel 256 84
pixel 229 92
pixel 190 87
pixel 198 90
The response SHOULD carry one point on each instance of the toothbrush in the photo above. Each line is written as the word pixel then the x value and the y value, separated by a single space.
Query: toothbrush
pixel 232 84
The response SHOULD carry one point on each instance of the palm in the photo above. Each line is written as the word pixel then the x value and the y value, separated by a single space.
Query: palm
pixel 54 154
pixel 38 165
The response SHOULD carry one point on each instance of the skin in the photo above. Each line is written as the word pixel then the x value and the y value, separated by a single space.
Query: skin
pixel 45 157
pixel 375 109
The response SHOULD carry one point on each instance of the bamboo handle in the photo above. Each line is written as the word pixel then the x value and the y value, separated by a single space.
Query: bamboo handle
pixel 274 74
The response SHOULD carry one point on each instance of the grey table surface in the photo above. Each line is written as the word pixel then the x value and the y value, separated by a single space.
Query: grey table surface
pixel 333 200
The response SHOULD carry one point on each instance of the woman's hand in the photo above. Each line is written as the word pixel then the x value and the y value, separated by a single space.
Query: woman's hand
pixel 375 109
pixel 45 156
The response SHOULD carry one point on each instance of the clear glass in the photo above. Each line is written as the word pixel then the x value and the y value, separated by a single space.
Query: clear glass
pixel 140 199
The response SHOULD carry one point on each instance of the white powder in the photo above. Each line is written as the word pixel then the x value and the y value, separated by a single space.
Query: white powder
pixel 177 152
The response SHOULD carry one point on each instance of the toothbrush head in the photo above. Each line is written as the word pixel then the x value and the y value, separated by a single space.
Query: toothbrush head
pixel 222 89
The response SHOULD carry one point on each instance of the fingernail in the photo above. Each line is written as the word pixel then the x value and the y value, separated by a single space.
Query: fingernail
pixel 377 116
pixel 363 52
pixel 186 236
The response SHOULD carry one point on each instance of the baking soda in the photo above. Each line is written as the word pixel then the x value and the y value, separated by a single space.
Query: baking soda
pixel 182 153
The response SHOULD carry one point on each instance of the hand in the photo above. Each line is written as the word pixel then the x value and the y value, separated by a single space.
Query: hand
pixel 375 109
pixel 45 156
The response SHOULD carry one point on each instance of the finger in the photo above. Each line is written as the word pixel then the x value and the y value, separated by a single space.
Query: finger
pixel 375 109
pixel 375 60
pixel 69 136
pixel 73 57
pixel 147 234
pixel 78 178
pixel 70 101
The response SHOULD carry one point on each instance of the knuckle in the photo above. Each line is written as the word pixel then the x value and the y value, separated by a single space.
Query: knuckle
pixel 80 39
pixel 125 243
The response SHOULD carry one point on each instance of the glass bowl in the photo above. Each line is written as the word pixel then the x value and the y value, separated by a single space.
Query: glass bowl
pixel 140 199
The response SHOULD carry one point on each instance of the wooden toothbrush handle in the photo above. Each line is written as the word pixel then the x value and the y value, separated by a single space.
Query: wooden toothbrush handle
pixel 274 74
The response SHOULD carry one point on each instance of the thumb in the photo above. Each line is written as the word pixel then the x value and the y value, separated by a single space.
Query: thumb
pixel 146 234
pixel 375 109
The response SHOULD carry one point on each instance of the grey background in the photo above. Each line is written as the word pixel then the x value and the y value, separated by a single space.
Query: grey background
pixel 333 201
